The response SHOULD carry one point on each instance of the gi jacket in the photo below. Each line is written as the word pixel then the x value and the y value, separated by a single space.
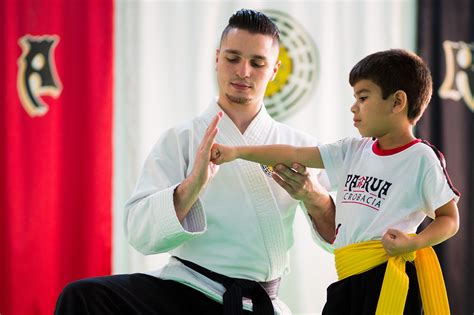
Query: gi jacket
pixel 241 225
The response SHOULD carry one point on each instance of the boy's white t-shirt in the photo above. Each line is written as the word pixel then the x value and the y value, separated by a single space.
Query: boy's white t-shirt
pixel 378 189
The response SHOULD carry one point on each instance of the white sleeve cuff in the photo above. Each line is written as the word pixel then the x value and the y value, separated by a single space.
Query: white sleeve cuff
pixel 153 226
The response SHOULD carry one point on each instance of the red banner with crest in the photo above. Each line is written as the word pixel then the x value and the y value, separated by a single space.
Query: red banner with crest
pixel 56 112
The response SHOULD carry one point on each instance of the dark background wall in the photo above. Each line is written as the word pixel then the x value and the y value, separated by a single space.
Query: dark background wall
pixel 446 42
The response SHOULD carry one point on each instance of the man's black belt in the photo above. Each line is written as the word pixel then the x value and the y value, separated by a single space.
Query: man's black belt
pixel 236 289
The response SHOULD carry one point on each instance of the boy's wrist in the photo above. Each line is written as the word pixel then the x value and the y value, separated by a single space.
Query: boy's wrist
pixel 236 152
pixel 417 242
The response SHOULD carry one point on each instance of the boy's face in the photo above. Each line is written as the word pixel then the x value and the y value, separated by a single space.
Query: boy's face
pixel 372 114
pixel 245 63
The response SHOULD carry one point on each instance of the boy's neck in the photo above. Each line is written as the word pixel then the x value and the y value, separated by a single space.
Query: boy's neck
pixel 395 140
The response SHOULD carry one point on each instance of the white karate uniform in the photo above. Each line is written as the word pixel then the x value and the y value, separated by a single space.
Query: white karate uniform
pixel 241 225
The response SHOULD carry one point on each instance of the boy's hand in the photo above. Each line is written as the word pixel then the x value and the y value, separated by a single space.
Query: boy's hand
pixel 396 242
pixel 221 153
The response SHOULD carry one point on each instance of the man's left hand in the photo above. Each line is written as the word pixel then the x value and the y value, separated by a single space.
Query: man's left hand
pixel 298 183
pixel 295 180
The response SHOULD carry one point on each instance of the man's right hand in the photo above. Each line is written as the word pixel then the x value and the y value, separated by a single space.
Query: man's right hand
pixel 202 169
pixel 186 194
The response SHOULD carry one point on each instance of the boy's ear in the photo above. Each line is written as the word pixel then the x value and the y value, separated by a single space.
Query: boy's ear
pixel 400 101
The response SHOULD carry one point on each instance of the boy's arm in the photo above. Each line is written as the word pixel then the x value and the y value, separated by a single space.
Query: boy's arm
pixel 444 226
pixel 269 154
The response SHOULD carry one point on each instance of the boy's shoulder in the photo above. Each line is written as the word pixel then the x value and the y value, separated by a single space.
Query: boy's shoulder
pixel 430 151
pixel 420 151
pixel 354 143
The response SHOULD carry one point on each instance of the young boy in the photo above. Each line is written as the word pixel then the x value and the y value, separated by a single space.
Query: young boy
pixel 388 182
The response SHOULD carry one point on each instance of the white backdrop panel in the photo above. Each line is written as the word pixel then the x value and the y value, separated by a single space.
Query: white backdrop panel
pixel 165 55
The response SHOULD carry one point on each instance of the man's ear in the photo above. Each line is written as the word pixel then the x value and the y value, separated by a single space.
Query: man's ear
pixel 217 57
pixel 275 70
pixel 400 101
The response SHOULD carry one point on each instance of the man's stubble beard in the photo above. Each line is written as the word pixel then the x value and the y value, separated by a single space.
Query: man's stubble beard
pixel 238 99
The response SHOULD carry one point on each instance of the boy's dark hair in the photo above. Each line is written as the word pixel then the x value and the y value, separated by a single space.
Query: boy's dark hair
pixel 254 22
pixel 397 69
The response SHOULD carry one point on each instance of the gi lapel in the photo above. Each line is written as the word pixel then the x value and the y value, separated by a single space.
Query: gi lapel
pixel 267 209
pixel 263 200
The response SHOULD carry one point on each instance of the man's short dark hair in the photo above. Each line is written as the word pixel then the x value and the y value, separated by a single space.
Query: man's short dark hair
pixel 253 22
pixel 397 69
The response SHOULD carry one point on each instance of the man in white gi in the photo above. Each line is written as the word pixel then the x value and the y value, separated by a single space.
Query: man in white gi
pixel 228 229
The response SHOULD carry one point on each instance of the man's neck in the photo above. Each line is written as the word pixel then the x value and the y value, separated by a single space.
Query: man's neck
pixel 241 114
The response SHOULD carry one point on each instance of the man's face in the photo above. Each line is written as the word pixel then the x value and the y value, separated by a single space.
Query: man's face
pixel 245 63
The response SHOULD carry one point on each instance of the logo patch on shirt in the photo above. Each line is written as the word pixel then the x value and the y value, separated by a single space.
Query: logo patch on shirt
pixel 365 190
pixel 268 170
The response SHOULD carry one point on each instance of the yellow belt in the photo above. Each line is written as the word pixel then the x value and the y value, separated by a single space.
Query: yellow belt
pixel 358 258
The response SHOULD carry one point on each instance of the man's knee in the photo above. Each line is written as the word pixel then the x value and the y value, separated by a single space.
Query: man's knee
pixel 76 296
pixel 79 288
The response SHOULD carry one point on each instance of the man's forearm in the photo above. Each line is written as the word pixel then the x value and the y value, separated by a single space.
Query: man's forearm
pixel 185 195
pixel 322 211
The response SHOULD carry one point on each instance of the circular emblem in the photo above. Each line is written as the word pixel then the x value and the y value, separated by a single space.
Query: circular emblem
pixel 297 77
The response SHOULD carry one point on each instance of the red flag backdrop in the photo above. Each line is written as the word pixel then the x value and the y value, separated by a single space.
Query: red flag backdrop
pixel 56 79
